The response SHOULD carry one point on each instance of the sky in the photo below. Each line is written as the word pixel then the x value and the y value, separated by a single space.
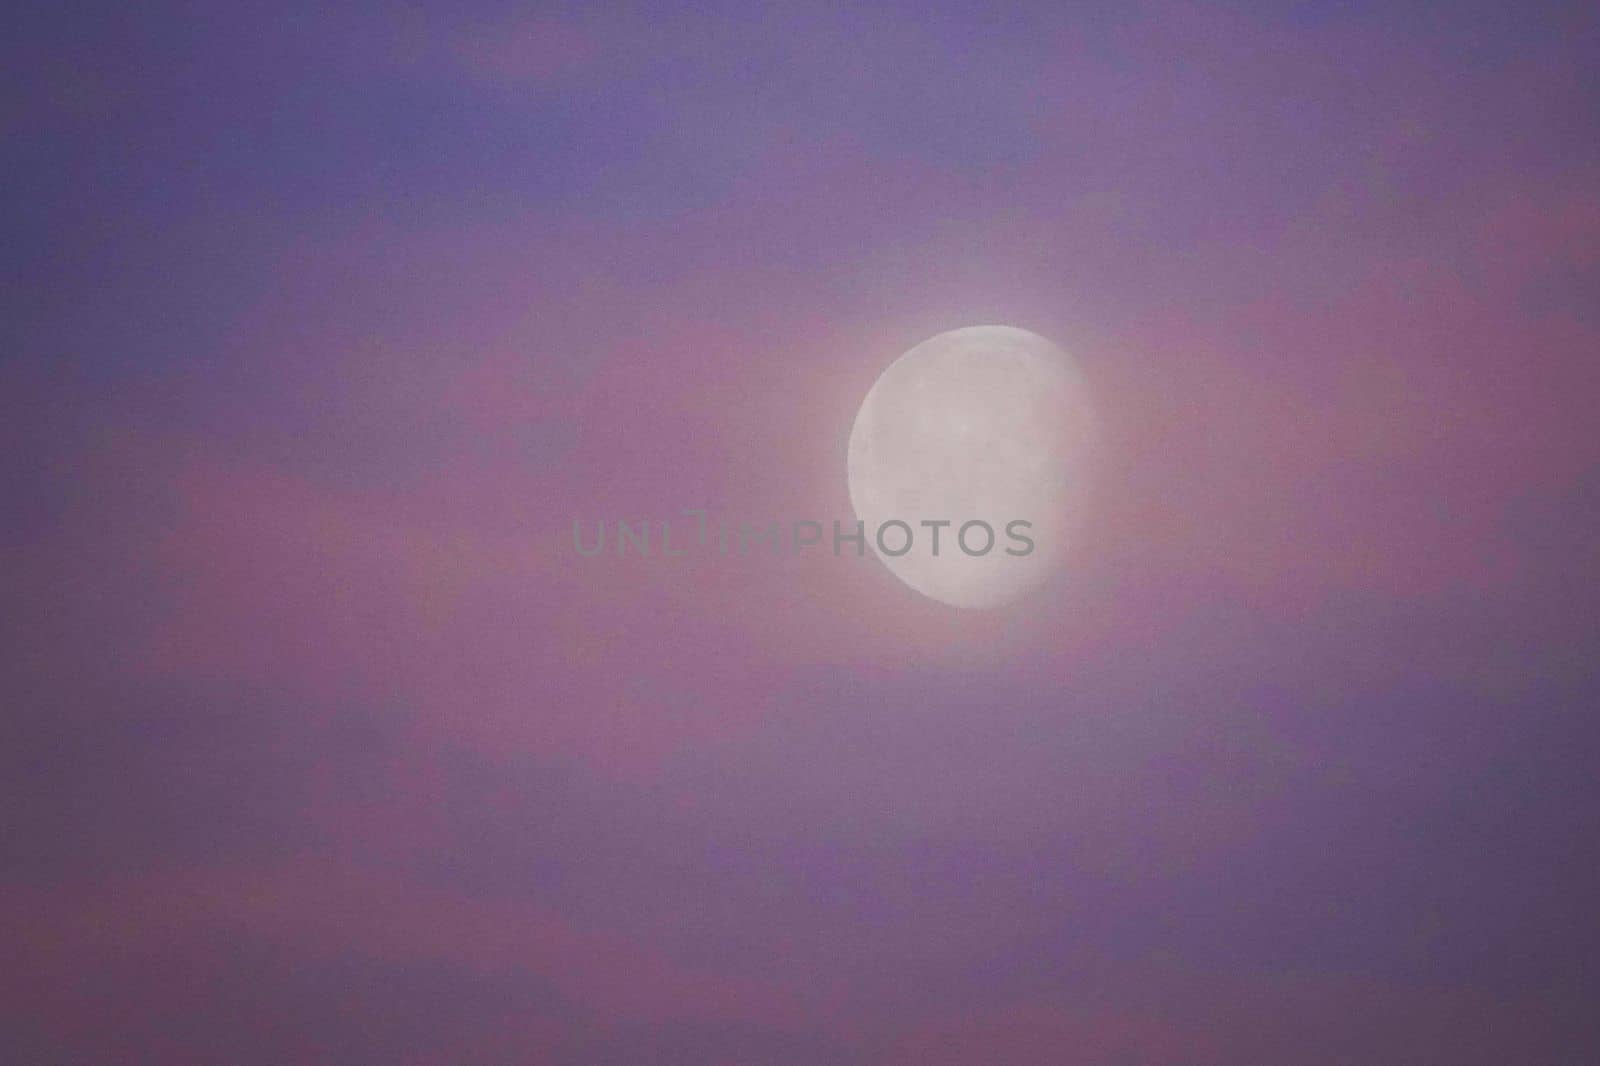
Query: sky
pixel 319 743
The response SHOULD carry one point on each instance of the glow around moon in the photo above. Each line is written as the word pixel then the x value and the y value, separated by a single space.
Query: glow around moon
pixel 987 424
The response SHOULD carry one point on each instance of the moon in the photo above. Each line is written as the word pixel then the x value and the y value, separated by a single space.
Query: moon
pixel 981 427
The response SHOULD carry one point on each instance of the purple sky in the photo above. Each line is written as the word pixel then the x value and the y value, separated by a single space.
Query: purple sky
pixel 320 744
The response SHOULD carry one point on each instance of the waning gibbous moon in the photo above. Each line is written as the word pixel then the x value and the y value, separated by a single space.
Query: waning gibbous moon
pixel 987 424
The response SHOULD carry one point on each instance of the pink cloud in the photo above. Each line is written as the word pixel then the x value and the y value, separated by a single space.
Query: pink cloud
pixel 316 910
pixel 534 50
